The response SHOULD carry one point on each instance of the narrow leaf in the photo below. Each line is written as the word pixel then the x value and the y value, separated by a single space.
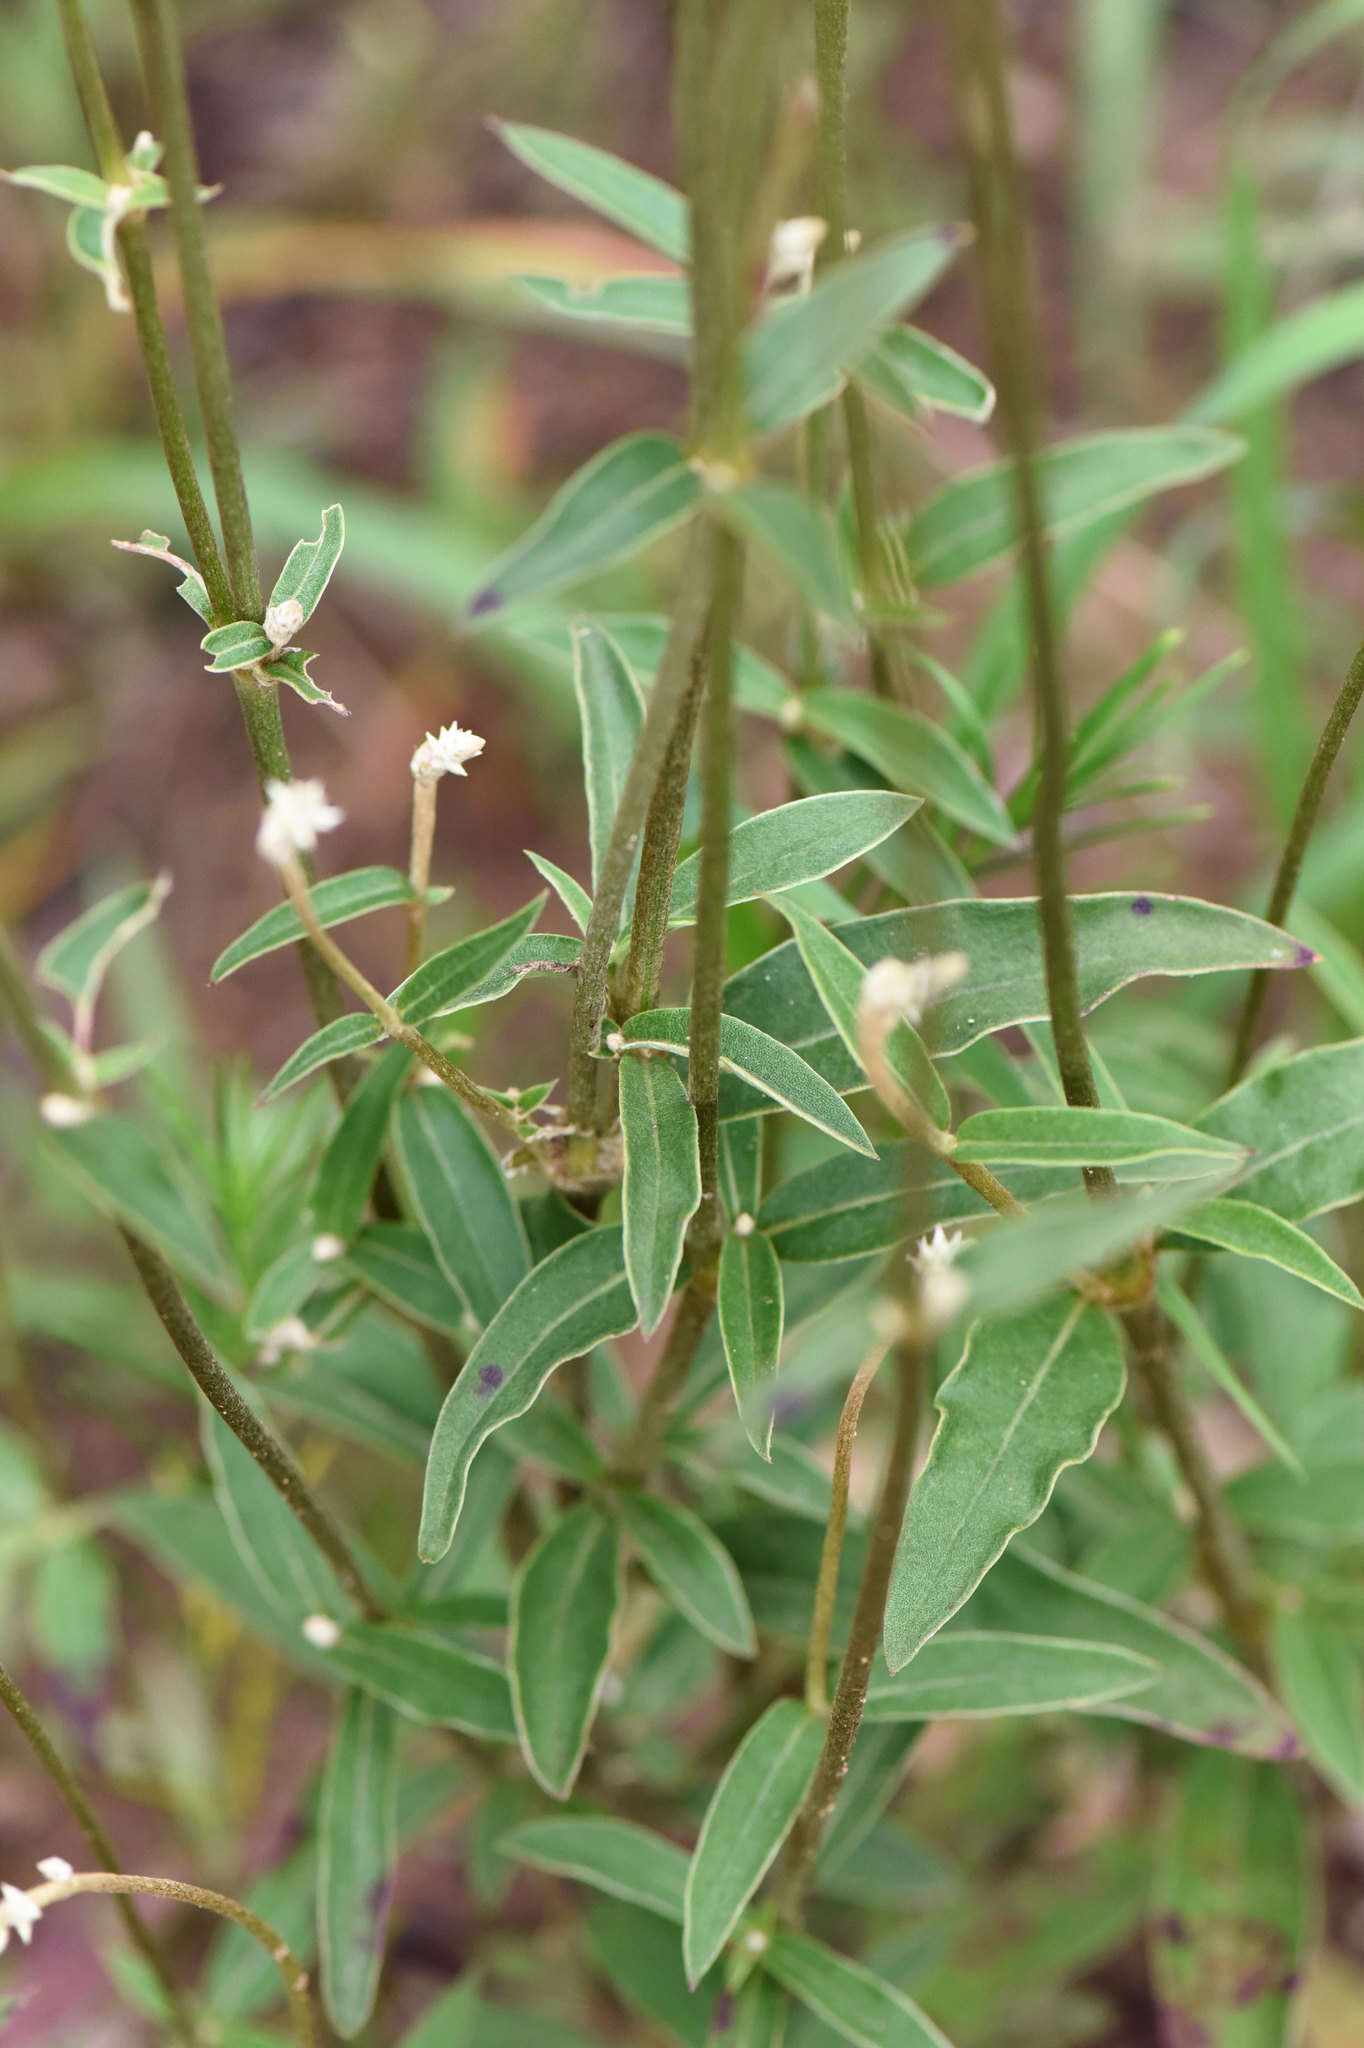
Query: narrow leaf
pixel 613 1856
pixel 610 714
pixel 766 1065
pixel 1210 1355
pixel 462 1200
pixel 648 304
pixel 335 1041
pixel 397 1263
pixel 691 1568
pixel 347 1168
pixel 914 755
pixel 571 894
pixel 913 372
pixel 426 1678
pixel 799 538
pixel 287 1566
pixel 751 1310
pixel 563 1610
pixel 1056 1135
pixel 642 1959
pixel 641 204
pixel 795 843
pixel 357 1847
pixel 967 1673
pixel 236 646
pixel 1319 1676
pixel 662 1186
pixel 445 980
pixel 1304 1121
pixel 77 960
pixel 335 901
pixel 62 181
pixel 860 2006
pixel 309 568
pixel 123 1173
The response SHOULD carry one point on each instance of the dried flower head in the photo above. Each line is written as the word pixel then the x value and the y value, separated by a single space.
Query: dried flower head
pixel 445 753
pixel 895 989
pixel 792 250
pixel 321 1631
pixel 295 813
pixel 282 621
pixel 942 1289
pixel 291 1333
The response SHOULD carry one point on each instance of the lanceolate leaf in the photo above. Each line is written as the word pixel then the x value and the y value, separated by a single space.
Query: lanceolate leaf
pixel 334 902
pixel 1322 1683
pixel 445 980
pixel 571 894
pixel 642 1959
pixel 913 372
pixel 767 1065
pixel 1255 1233
pixel 629 495
pixel 860 2006
pixel 1304 1122
pixel 800 539
pixel 236 646
pixel 662 1180
pixel 965 1672
pixel 346 1172
pixel 641 204
pixel 797 842
pixel 563 1609
pixel 76 961
pixel 645 305
pixel 973 521
pixel 123 1173
pixel 1029 1398
pixel 691 1568
pixel 914 755
pixel 1119 938
pixel 357 1848
pixel 309 568
pixel 1056 1135
pixel 613 1856
pixel 576 1298
pixel 610 713
pixel 276 1549
pixel 746 1823
pixel 426 1677
pixel 750 1304
pixel 335 1041
pixel 1200 1340
pixel 398 1264
pixel 462 1199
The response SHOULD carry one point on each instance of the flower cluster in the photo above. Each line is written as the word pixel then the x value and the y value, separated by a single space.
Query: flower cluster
pixel 295 813
pixel 19 1911
pixel 895 989
pixel 445 753
pixel 942 1289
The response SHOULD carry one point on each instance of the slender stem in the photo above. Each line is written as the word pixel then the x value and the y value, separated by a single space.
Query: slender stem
pixel 218 1389
pixel 826 1585
pixel 118 1884
pixel 873 1038
pixel 1226 1564
pixel 658 854
pixel 642 1441
pixel 419 863
pixel 86 1819
pixel 1295 846
pixel 158 31
pixel 1002 238
pixel 845 1716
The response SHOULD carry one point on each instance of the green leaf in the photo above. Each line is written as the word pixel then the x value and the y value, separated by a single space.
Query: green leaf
pixel 550 1434
pixel 123 1173
pixel 399 1265
pixel 1322 1685
pixel 641 638
pixel 610 714
pixel 1306 343
pixel 1231 1913
pixel 357 1848
pixel 837 975
pixel 291 669
pixel 335 901
pixel 662 1187
pixel 236 646
pixel 751 1309
pixel 62 181
pixel 765 1064
pixel 741 1166
pixel 967 1672
pixel 1302 1120
pixel 309 568
pixel 287 1566
pixel 191 588
pixel 799 537
pixel 691 1568
pixel 643 205
pixel 571 894
pixel 797 842
pixel 759 2015
pixel 974 520
pixel 335 1041
pixel 1210 1355
pixel 914 755
pixel 447 979
pixel 563 1609
pixel 748 1819
pixel 73 1612
pixel 640 1955
pixel 1255 1233
pixel 77 960
pixel 1201 1695
pixel 426 1677
pixel 85 243
pixel 853 2001
pixel 1056 1135
pixel 633 492
pixel 576 1298
pixel 355 1149
pixel 911 371
pixel 462 1200
pixel 1029 1397
pixel 799 352
pixel 649 304
pixel 452 2021
pixel 614 1856
pixel 1119 938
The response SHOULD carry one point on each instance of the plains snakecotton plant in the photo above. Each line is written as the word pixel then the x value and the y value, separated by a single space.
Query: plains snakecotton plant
pixel 879 1161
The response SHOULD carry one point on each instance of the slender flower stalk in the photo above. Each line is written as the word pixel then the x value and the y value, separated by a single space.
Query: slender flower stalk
pixel 826 1585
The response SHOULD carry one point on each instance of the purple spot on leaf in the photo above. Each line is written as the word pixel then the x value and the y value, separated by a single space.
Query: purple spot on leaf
pixel 1287 1746
pixel 1305 956
pixel 1289 1983
pixel 789 1407
pixel 724 2013
pixel 486 601
pixel 1142 906
pixel 1171 1928
pixel 1222 1734
pixel 1252 1987
pixel 490 1378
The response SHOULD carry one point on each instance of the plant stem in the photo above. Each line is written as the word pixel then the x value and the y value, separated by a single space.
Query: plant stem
pixel 86 1819
pixel 871 1044
pixel 826 1585
pixel 419 863
pixel 219 1390
pixel 1295 846
pixel 845 1716
pixel 1002 237
pixel 642 1441
pixel 658 854
pixel 83 1883
pixel 158 31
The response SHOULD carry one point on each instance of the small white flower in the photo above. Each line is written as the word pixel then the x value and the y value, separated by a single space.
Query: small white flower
pixel 55 1869
pixel 791 252
pixel 744 1226
pixel 445 753
pixel 942 1289
pixel 755 1941
pixel 906 988
pixel 282 621
pixel 290 1334
pixel 322 1632
pixel 64 1112
pixel 327 1246
pixel 295 813
pixel 19 1912
pixel 937 1251
pixel 791 716
pixel 615 1041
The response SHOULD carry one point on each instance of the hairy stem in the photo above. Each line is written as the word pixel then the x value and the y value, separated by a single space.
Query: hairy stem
pixel 642 1441
pixel 658 854
pixel 826 1585
pixel 31 1728
pixel 1295 846
pixel 419 863
pixel 1002 239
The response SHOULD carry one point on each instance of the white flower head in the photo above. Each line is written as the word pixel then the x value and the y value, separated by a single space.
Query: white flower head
pixel 744 1225
pixel 321 1631
pixel 291 1333
pixel 327 1246
pixel 282 621
pixel 942 1289
pixel 445 753
pixel 64 1112
pixel 906 988
pixel 938 1251
pixel 792 250
pixel 295 813
pixel 18 1914
pixel 55 1869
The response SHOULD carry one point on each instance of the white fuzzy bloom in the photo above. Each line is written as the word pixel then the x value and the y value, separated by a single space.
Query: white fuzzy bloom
pixel 282 621
pixel 290 1334
pixel 18 1915
pixel 327 1246
pixel 55 1869
pixel 295 813
pixel 445 753
pixel 64 1112
pixel 744 1226
pixel 906 988
pixel 322 1632
pixel 791 252
pixel 615 1041
pixel 942 1289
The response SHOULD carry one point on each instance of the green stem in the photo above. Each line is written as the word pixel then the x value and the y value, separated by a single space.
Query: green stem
pixel 1295 847
pixel 158 31
pixel 826 1585
pixel 639 1448
pixel 31 1728
pixel 1002 239
pixel 658 854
